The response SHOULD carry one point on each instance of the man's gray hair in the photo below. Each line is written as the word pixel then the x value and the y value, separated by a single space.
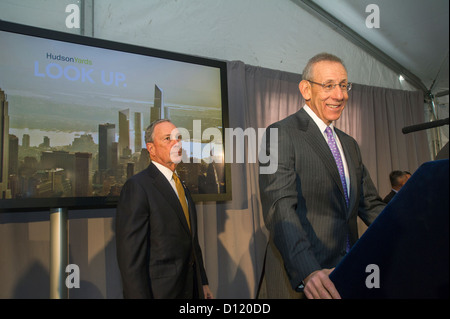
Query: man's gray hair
pixel 308 70
pixel 151 128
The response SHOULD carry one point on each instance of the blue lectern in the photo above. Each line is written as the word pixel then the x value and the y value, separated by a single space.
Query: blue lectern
pixel 405 252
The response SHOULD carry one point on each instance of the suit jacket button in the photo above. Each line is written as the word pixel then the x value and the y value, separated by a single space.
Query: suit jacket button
pixel 343 253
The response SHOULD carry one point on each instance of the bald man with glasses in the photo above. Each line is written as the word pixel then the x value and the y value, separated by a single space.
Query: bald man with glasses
pixel 311 203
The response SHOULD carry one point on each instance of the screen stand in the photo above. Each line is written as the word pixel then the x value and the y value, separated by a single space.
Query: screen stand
pixel 58 253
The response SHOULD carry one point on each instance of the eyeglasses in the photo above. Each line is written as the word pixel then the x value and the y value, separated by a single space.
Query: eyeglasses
pixel 329 86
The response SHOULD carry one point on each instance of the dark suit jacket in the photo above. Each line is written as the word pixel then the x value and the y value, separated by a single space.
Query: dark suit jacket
pixel 303 202
pixel 389 196
pixel 157 254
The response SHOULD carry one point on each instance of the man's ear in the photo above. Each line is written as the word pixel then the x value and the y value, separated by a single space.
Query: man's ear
pixel 150 148
pixel 305 89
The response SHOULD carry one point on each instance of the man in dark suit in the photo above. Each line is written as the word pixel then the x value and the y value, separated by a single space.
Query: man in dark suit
pixel 397 180
pixel 156 226
pixel 311 203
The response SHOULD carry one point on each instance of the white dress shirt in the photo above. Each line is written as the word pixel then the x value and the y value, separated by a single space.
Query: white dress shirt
pixel 168 174
pixel 322 126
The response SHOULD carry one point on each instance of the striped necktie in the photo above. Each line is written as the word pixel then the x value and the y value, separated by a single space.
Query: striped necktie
pixel 338 159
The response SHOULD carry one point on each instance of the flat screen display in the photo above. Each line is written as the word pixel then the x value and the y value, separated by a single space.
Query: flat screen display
pixel 73 114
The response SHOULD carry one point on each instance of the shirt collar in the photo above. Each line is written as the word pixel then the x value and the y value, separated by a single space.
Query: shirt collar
pixel 322 126
pixel 167 172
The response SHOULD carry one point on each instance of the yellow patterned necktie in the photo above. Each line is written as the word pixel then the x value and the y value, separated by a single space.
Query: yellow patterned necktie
pixel 182 198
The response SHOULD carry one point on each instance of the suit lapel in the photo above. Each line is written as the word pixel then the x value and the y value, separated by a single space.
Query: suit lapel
pixel 167 192
pixel 317 142
pixel 191 206
pixel 351 171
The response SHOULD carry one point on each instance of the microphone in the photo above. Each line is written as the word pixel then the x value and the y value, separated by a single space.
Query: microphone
pixel 424 126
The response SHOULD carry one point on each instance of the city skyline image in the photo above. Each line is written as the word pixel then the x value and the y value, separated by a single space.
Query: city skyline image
pixel 75 127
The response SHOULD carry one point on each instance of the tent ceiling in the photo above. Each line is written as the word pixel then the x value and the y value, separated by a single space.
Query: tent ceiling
pixel 414 34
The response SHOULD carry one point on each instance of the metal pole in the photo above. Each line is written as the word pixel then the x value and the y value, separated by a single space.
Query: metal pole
pixel 58 253
pixel 435 132
pixel 87 18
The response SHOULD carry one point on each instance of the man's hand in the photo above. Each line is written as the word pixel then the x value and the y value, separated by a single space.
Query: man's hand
pixel 319 286
pixel 207 292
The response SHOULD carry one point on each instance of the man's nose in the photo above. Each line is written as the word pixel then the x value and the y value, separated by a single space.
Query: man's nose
pixel 176 142
pixel 338 93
